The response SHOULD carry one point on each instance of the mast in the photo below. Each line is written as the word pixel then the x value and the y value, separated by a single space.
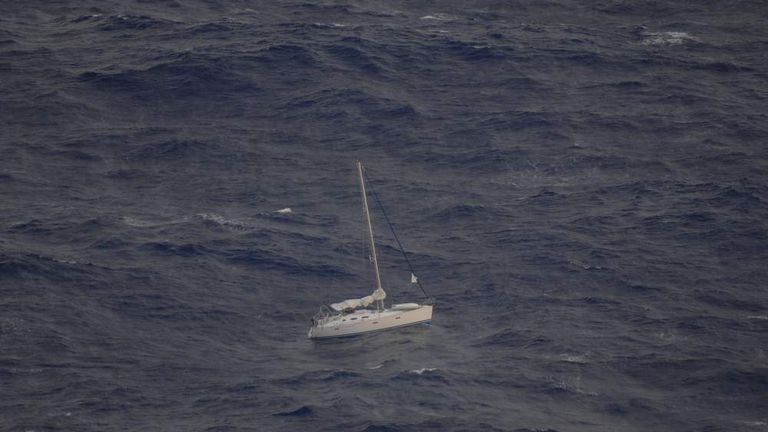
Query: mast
pixel 370 226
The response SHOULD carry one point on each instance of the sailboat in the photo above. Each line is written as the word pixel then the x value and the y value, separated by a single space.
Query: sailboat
pixel 369 314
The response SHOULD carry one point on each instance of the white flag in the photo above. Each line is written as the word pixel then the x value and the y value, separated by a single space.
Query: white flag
pixel 413 278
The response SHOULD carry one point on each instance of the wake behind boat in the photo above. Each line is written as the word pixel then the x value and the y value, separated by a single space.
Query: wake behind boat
pixel 355 316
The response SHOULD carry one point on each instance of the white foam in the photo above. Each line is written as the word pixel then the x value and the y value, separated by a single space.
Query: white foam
pixel 137 223
pixel 437 17
pixel 574 358
pixel 147 224
pixel 665 335
pixel 284 210
pixel 65 261
pixel 422 370
pixel 666 38
pixel 224 222
pixel 330 25
pixel 583 265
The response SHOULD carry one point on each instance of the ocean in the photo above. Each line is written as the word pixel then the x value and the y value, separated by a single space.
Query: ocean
pixel 582 186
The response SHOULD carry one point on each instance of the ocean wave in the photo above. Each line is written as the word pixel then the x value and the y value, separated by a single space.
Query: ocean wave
pixel 465 212
pixel 325 376
pixel 353 56
pixel 125 22
pixel 267 260
pixel 302 411
pixel 724 299
pixel 168 248
pixel 183 76
pixel 432 375
pixel 172 150
pixel 218 28
pixel 345 104
pixel 31 266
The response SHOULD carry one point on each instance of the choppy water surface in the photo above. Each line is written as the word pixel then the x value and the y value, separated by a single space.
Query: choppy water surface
pixel 583 186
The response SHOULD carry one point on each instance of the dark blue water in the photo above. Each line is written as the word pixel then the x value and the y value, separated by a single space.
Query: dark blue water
pixel 582 185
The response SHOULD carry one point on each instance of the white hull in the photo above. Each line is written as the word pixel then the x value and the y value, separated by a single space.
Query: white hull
pixel 366 321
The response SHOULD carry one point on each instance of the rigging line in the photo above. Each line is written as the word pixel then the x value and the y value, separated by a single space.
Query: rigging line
pixel 392 229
